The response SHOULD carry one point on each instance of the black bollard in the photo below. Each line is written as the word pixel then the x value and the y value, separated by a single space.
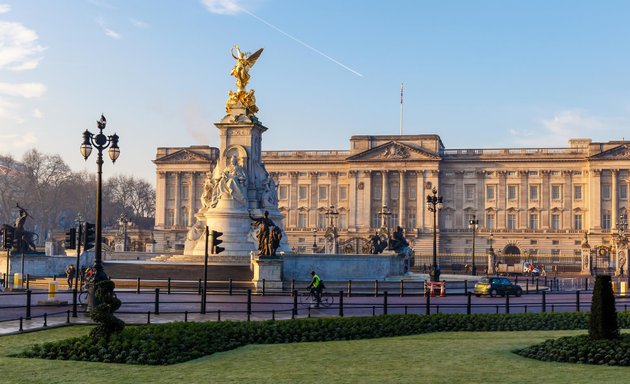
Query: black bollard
pixel 465 286
pixel 74 302
pixel 544 301
pixel 185 316
pixel 340 303
pixel 249 304
pixel 468 303
pixel 21 321
pixel 157 301
pixel 230 287
pixel 218 315
pixel 168 286
pixel 586 283
pixel 28 281
pixel 148 317
pixel 384 302
pixel 507 302
pixel 428 304
pixel 45 319
pixel 577 301
pixel 295 302
pixel 138 285
pixel 28 304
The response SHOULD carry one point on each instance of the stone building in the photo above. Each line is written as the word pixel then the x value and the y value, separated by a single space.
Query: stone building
pixel 529 201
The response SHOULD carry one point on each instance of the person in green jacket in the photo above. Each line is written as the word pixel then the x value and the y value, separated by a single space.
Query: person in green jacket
pixel 316 287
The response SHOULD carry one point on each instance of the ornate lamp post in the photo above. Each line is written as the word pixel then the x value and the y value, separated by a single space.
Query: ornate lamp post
pixel 384 214
pixel 434 203
pixel 314 240
pixel 100 142
pixel 123 222
pixel 473 224
pixel 332 214
pixel 490 269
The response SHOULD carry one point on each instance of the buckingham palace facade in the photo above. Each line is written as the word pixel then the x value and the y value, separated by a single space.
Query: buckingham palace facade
pixel 534 201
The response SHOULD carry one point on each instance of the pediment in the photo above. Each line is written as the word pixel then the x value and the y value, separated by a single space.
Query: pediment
pixel 183 156
pixel 394 151
pixel 620 152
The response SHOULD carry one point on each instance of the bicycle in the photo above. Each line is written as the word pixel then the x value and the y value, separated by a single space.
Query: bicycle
pixel 308 299
pixel 82 296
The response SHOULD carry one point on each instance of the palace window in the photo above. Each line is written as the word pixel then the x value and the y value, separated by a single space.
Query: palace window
pixel 469 192
pixel 556 192
pixel 606 191
pixel 533 192
pixel 283 192
pixel 511 221
pixel 343 220
pixel 170 192
pixel 533 242
pixel 623 192
pixel 185 191
pixel 393 220
pixel 183 218
pixel 321 220
pixel 376 221
pixel 394 191
pixel 577 221
pixel 323 192
pixel 555 242
pixel 343 192
pixel 412 192
pixel 303 192
pixel 555 221
pixel 606 220
pixel 533 220
pixel 490 220
pixel 302 220
pixel 448 193
pixel 448 221
pixel 411 220
pixel 577 192
pixel 512 192
pixel 490 192
pixel 170 217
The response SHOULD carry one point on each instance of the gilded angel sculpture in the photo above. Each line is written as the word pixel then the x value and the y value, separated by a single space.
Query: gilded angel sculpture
pixel 244 61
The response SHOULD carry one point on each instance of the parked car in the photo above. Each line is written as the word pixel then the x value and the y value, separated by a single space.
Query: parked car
pixel 497 285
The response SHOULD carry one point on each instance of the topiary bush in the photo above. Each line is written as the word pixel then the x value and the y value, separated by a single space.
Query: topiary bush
pixel 603 321
pixel 103 313
pixel 178 342
pixel 581 350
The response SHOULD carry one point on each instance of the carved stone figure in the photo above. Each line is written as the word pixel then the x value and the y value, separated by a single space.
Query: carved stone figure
pixel 398 241
pixel 25 239
pixel 230 183
pixel 269 197
pixel 206 196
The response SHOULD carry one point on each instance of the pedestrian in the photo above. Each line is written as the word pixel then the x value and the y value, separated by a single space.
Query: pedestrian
pixel 71 272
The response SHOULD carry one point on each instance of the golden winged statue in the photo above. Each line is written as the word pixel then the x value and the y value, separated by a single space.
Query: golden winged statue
pixel 244 61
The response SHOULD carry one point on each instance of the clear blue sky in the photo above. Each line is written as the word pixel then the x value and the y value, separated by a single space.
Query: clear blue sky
pixel 481 74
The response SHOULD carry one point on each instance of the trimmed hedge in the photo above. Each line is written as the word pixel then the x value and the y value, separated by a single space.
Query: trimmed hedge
pixel 581 350
pixel 178 342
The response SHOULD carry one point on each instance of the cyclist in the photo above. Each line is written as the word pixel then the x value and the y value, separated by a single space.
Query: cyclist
pixel 316 287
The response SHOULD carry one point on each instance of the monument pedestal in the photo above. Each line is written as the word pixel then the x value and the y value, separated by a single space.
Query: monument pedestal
pixel 268 270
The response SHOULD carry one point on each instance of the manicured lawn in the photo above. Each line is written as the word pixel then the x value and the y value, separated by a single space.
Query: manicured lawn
pixel 458 357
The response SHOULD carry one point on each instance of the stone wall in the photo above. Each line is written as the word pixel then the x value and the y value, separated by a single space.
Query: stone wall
pixel 340 267
pixel 36 265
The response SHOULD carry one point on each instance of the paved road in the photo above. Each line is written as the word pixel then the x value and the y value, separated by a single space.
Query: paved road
pixel 180 306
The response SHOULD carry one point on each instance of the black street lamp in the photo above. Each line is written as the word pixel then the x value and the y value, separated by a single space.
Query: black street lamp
pixel 332 214
pixel 491 259
pixel 314 240
pixel 434 203
pixel 100 142
pixel 473 224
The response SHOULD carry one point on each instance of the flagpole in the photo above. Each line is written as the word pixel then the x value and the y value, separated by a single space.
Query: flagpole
pixel 401 109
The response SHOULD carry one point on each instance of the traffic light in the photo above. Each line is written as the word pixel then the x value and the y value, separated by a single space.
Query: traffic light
pixel 89 235
pixel 8 236
pixel 71 238
pixel 215 249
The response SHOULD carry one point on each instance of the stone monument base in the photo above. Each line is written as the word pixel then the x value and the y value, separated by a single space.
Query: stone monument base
pixel 267 272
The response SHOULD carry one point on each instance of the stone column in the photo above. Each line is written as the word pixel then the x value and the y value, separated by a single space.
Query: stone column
pixel 567 199
pixel 501 199
pixel 160 201
pixel 420 199
pixel 595 206
pixel 191 197
pixel 401 200
pixel 293 199
pixel 313 201
pixel 353 200
pixel 334 188
pixel 545 199
pixel 385 189
pixel 524 203
pixel 177 199
pixel 586 257
pixel 613 191
pixel 459 220
pixel 366 203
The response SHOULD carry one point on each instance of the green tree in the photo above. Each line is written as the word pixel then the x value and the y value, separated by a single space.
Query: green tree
pixel 603 322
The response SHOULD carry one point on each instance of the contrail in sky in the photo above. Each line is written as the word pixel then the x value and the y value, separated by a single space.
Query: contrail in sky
pixel 299 41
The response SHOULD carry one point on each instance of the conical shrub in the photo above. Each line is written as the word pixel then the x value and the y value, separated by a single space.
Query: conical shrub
pixel 603 323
